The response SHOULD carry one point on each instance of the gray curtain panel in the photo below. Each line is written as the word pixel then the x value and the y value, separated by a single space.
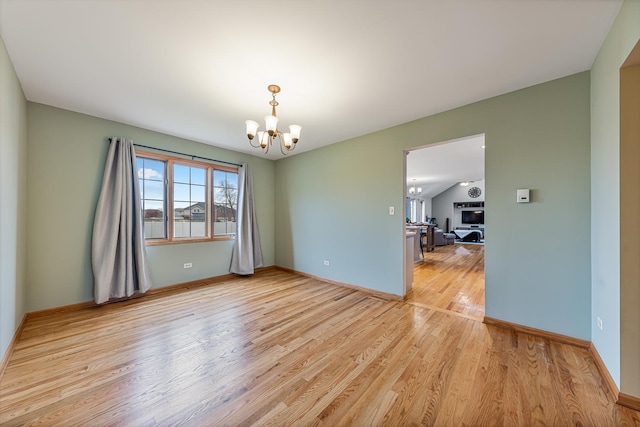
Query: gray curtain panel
pixel 247 253
pixel 119 257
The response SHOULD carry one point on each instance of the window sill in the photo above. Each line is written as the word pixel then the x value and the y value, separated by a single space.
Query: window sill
pixel 161 242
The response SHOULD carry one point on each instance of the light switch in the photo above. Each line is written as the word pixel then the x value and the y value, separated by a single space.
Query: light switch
pixel 392 210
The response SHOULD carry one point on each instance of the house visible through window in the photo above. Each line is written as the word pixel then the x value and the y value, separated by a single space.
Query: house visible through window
pixel 186 200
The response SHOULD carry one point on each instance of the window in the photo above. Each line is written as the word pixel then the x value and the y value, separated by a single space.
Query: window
pixel 151 177
pixel 185 200
pixel 189 202
pixel 414 210
pixel 225 202
pixel 417 210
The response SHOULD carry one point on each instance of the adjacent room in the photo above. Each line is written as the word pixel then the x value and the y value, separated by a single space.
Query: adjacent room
pixel 445 209
pixel 208 221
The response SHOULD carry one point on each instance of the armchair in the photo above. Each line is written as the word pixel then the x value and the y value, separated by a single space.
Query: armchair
pixel 442 239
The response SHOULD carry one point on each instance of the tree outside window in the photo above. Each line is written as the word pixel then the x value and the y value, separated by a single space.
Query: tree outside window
pixel 225 199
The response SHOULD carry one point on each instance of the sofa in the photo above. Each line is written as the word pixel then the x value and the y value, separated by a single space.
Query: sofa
pixel 469 235
pixel 440 238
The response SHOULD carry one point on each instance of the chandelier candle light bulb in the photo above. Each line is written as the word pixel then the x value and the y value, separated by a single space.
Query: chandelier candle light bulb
pixel 263 139
pixel 271 123
pixel 252 128
pixel 287 140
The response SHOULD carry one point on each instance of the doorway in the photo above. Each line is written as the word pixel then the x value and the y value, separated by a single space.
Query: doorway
pixel 445 195
pixel 629 245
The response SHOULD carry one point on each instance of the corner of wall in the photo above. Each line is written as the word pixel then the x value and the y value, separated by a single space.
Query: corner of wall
pixel 13 170
pixel 606 189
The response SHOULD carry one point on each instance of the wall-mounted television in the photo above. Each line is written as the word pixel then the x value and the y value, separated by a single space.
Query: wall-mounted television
pixel 473 217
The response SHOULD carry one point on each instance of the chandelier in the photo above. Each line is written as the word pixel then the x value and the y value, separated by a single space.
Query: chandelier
pixel 414 190
pixel 287 140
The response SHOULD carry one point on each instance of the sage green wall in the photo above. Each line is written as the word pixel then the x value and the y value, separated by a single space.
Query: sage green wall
pixel 13 196
pixel 66 155
pixel 332 204
pixel 605 184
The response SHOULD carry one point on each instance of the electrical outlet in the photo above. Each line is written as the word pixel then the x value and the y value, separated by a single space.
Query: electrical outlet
pixel 188 265
pixel 326 262
pixel 599 322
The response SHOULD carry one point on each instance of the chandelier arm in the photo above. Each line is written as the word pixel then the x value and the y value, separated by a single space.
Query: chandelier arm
pixel 254 146
pixel 283 149
pixel 288 150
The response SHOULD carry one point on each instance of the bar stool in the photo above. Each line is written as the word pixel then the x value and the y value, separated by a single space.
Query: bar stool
pixel 423 242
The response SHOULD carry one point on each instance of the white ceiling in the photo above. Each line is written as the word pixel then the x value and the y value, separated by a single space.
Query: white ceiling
pixel 439 166
pixel 197 69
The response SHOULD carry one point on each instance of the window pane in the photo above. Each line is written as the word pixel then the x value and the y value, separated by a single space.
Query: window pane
pixel 153 219
pixel 154 190
pixel 225 195
pixel 198 176
pixel 198 193
pixel 218 177
pixel 223 227
pixel 232 179
pixel 182 192
pixel 151 169
pixel 231 228
pixel 181 228
pixel 181 173
pixel 220 228
pixel 224 178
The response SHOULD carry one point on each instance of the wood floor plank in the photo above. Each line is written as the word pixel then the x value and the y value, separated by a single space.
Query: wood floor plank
pixel 457 401
pixel 346 407
pixel 280 349
pixel 451 278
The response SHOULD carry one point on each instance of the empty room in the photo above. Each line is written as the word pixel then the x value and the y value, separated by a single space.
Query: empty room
pixel 206 216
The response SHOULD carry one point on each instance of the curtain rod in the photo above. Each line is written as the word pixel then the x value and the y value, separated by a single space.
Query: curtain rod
pixel 187 155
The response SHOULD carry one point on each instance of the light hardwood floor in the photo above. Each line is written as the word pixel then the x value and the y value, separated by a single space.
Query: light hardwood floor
pixel 451 278
pixel 280 349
